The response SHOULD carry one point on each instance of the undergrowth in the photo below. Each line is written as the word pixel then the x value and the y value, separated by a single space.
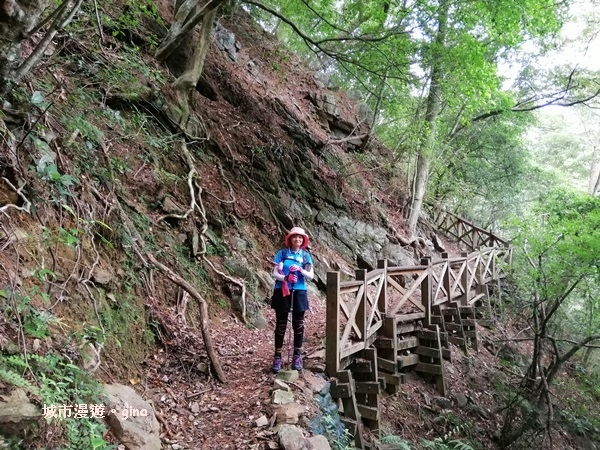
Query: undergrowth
pixel 65 392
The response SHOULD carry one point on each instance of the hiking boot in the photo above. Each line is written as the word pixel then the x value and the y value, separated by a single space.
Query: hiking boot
pixel 277 363
pixel 297 362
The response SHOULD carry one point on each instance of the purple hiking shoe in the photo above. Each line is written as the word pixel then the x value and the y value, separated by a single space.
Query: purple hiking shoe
pixel 277 363
pixel 297 362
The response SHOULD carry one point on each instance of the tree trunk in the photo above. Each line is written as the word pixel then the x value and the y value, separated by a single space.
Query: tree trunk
pixel 188 80
pixel 434 102
pixel 17 19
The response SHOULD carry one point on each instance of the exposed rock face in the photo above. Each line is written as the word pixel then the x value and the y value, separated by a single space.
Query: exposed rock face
pixel 136 432
pixel 17 412
pixel 358 240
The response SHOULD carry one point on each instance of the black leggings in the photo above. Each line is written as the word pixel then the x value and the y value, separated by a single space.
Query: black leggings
pixel 281 325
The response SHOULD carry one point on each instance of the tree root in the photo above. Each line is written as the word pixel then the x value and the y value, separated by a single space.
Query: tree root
pixel 199 239
pixel 138 246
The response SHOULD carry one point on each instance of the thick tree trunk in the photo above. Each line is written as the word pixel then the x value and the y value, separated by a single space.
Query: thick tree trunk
pixel 188 80
pixel 19 19
pixel 434 102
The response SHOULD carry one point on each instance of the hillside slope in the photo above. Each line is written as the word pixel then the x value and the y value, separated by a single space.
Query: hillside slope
pixel 98 181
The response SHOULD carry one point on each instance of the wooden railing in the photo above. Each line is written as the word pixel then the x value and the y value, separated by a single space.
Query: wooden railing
pixel 356 309
pixel 391 320
pixel 464 231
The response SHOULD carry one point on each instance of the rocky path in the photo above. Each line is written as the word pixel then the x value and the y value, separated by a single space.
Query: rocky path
pixel 199 413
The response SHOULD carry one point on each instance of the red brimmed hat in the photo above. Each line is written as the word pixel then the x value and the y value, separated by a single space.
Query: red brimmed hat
pixel 297 231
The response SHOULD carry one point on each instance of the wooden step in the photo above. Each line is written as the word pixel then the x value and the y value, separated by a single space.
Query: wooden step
pixel 395 379
pixel 402 328
pixel 437 320
pixel 428 351
pixel 449 311
pixel 362 366
pixel 470 334
pixel 468 322
pixel 341 390
pixel 410 342
pixel 429 368
pixel 368 412
pixel 407 360
pixel 424 334
pixel 456 340
pixel 454 326
pixel 367 387
pixel 383 342
pixel 387 365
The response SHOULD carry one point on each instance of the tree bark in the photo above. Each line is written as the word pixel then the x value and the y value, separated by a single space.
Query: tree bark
pixel 186 18
pixel 434 102
pixel 17 19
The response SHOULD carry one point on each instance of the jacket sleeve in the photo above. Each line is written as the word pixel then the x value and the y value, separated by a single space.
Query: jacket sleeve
pixel 278 276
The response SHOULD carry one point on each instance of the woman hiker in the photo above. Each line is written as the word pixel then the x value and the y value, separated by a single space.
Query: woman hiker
pixel 292 268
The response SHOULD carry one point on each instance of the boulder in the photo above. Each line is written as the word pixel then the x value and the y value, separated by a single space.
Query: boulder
pixel 17 412
pixel 131 419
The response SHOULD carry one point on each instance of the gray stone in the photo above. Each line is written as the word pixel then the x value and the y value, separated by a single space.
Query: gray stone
pixel 461 400
pixel 292 438
pixel 315 382
pixel 17 412
pixel 279 397
pixel 288 376
pixel 262 421
pixel 279 384
pixel 319 442
pixel 136 432
pixel 289 413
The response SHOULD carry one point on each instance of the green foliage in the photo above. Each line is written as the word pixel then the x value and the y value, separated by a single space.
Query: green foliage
pixel 397 441
pixel 20 307
pixel 57 383
pixel 441 443
pixel 339 440
pixel 132 17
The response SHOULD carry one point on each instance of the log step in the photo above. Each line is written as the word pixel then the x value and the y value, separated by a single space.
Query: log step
pixel 456 340
pixel 437 320
pixel 430 335
pixel 387 365
pixel 368 412
pixel 341 390
pixel 391 378
pixel 429 368
pixel 408 360
pixel 453 326
pixel 407 343
pixel 367 387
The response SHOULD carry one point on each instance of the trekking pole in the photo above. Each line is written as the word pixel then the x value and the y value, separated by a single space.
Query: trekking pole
pixel 290 313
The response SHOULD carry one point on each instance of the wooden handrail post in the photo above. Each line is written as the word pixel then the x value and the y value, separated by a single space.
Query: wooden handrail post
pixel 382 300
pixel 426 290
pixel 361 314
pixel 464 280
pixel 447 283
pixel 332 324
